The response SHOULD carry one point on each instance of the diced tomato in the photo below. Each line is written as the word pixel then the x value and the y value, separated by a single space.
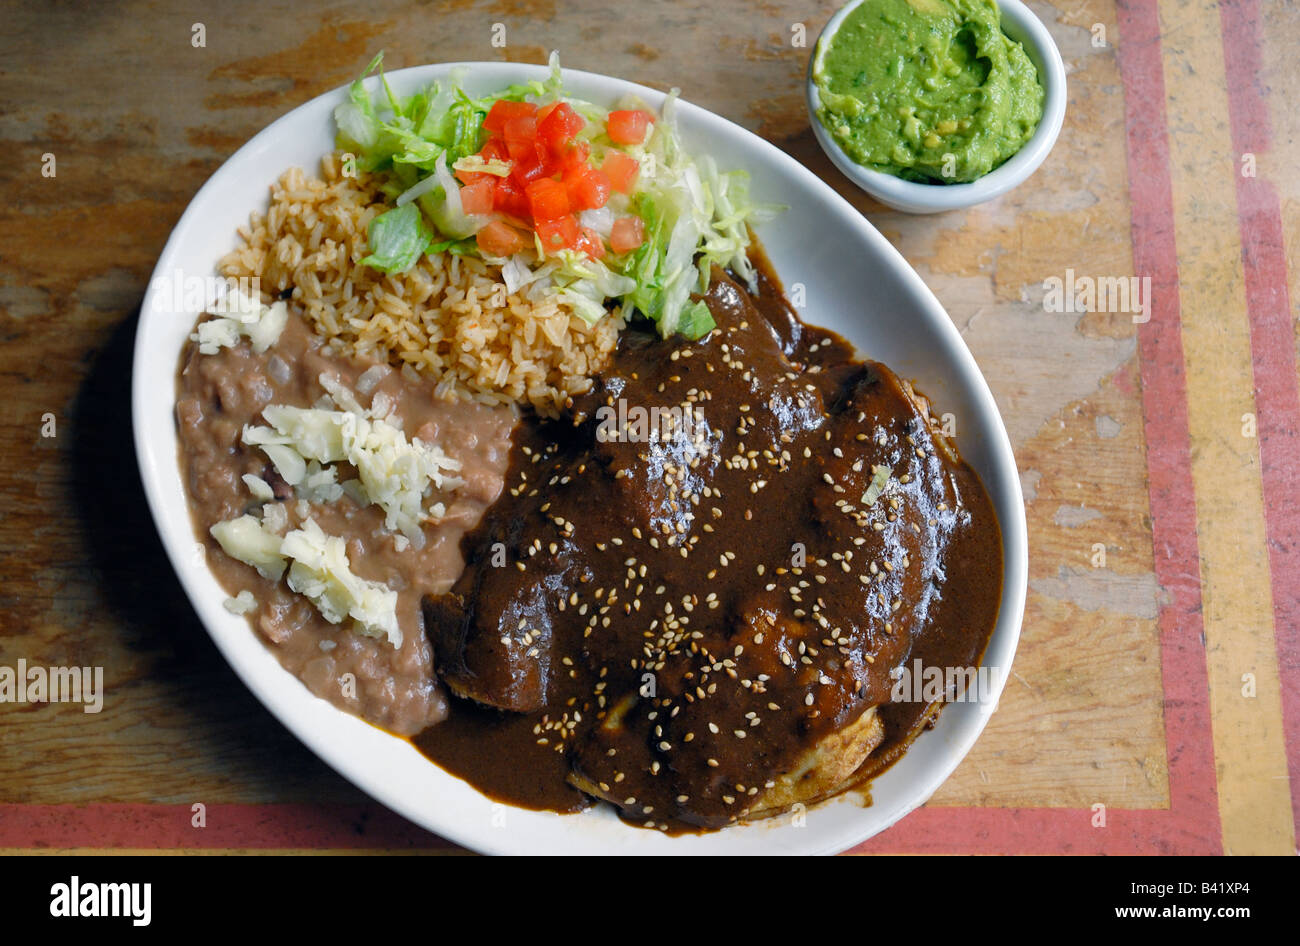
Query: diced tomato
pixel 627 127
pixel 528 169
pixel 519 149
pixel 628 233
pixel 539 162
pixel 621 169
pixel 520 128
pixel 495 150
pixel 500 239
pixel 521 136
pixel 589 242
pixel 477 198
pixel 588 188
pixel 575 156
pixel 551 179
pixel 559 125
pixel 502 111
pixel 558 234
pixel 548 199
pixel 509 198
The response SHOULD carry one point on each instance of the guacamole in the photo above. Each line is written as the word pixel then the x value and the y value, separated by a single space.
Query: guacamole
pixel 927 90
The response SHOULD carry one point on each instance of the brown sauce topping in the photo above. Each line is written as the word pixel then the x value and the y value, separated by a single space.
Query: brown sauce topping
pixel 696 618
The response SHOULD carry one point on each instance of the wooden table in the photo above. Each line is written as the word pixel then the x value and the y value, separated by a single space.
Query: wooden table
pixel 1154 705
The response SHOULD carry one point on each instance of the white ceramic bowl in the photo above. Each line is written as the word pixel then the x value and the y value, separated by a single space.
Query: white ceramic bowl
pixel 1019 23
pixel 856 283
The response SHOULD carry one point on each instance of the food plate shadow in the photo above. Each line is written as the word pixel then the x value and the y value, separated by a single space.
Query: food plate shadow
pixel 147 609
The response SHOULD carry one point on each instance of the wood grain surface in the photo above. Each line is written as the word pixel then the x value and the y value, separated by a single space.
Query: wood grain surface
pixel 137 117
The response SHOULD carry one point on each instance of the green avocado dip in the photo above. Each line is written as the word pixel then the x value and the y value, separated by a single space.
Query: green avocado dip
pixel 928 90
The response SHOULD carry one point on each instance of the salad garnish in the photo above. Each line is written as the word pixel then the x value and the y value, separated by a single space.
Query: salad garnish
pixel 600 207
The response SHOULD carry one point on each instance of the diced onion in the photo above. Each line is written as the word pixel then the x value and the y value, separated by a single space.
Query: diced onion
pixel 417 190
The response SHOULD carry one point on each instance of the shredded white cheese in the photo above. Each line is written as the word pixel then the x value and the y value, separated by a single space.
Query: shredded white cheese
pixel 318 569
pixel 322 573
pixel 245 539
pixel 275 517
pixel 241 603
pixel 320 485
pixel 288 462
pixel 395 473
pixel 259 487
pixel 235 315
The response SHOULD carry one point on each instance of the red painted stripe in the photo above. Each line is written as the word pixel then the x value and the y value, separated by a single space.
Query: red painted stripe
pixel 1043 831
pixel 1193 791
pixel 1272 345
pixel 371 826
pixel 169 827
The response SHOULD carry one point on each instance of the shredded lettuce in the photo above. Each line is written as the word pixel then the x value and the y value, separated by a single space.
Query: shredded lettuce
pixel 696 217
pixel 696 321
pixel 443 206
pixel 466 247
pixel 397 238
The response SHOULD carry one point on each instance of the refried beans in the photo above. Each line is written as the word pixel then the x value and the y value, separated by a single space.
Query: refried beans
pixel 217 395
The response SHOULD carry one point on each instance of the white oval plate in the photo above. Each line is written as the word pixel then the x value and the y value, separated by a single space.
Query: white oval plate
pixel 856 283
